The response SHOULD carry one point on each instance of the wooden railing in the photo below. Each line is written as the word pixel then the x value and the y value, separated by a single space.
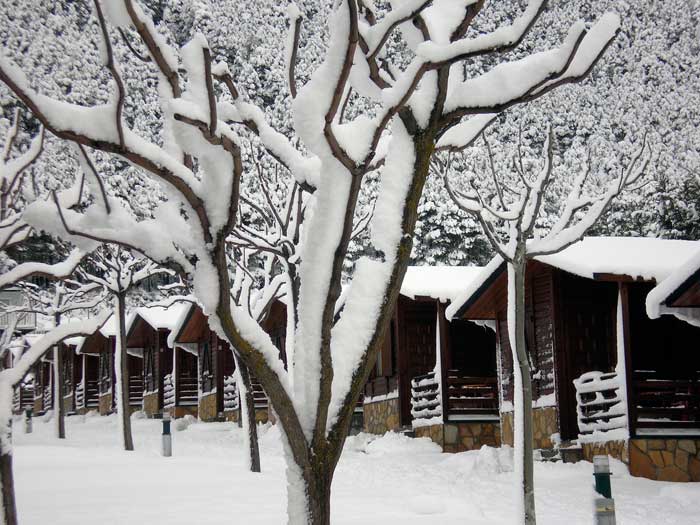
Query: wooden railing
pixel 48 397
pixel 187 391
pixel 91 394
pixel 600 405
pixel 471 396
pixel 135 390
pixel 230 393
pixel 662 402
pixel 80 395
pixel 426 396
pixel 381 386
pixel 168 391
pixel 259 396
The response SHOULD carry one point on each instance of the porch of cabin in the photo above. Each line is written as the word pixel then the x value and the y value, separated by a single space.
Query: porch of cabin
pixel 645 412
pixel 406 388
pixel 87 389
pixel 148 344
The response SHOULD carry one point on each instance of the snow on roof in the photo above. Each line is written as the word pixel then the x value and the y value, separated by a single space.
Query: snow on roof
pixel 76 341
pixel 177 327
pixel 638 257
pixel 656 299
pixel 160 317
pixel 444 283
pixel 110 327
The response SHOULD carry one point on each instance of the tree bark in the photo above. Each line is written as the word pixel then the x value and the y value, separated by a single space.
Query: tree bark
pixel 121 364
pixel 58 409
pixel 522 427
pixel 249 414
pixel 8 512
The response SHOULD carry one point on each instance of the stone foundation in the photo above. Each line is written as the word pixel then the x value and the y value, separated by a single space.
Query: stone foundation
pixel 176 412
pixel 68 404
pixel 231 415
pixel 207 407
pixel 381 416
pixel 150 404
pixel 665 459
pixel 459 437
pixel 261 415
pixel 615 449
pixel 105 404
pixel 544 425
pixel 38 406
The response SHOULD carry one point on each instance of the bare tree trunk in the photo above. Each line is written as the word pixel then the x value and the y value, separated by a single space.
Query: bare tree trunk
pixel 246 401
pixel 522 415
pixel 58 408
pixel 122 368
pixel 8 511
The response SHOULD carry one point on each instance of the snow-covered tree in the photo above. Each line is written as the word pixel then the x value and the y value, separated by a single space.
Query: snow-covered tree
pixel 117 271
pixel 416 101
pixel 9 379
pixel 508 203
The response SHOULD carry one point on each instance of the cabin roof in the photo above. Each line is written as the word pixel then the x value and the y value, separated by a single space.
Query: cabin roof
pixel 679 293
pixel 157 317
pixel 444 283
pixel 109 329
pixel 636 258
pixel 180 324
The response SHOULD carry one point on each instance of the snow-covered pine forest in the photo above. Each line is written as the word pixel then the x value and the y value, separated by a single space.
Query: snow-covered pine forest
pixel 401 261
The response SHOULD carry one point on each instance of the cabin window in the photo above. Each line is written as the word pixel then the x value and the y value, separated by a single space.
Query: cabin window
pixel 207 370
pixel 150 369
pixel 67 374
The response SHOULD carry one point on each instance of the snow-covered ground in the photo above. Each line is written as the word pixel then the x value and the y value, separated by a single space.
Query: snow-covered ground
pixel 86 479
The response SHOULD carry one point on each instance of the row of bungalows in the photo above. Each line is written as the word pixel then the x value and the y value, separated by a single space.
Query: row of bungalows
pixel 176 364
pixel 607 377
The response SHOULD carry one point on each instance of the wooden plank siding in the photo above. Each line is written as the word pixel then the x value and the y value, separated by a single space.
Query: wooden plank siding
pixel 539 332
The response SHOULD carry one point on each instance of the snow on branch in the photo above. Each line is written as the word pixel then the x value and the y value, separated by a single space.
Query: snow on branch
pixel 52 271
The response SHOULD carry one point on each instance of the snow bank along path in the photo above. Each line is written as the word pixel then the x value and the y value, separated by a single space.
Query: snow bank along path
pixel 86 479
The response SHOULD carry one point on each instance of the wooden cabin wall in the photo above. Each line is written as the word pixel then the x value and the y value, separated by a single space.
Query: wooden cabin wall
pixel 207 350
pixel 416 327
pixel 586 338
pixel 539 334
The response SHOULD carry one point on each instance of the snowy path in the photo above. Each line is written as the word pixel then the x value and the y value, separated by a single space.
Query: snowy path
pixel 393 480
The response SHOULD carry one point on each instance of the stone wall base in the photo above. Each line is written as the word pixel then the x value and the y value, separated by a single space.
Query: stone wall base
pixel 68 404
pixel 104 404
pixel 231 415
pixel 381 416
pixel 150 404
pixel 660 459
pixel 618 449
pixel 207 407
pixel 182 411
pixel 38 407
pixel 544 425
pixel 665 459
pixel 462 436
pixel 261 415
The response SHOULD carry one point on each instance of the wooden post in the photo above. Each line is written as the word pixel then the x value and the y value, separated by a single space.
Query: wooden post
pixel 445 361
pixel 629 365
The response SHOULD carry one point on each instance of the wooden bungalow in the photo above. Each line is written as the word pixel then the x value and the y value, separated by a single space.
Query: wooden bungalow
pixel 217 389
pixel 432 377
pixel 679 293
pixel 43 386
pixel 167 384
pixel 97 351
pixel 606 377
